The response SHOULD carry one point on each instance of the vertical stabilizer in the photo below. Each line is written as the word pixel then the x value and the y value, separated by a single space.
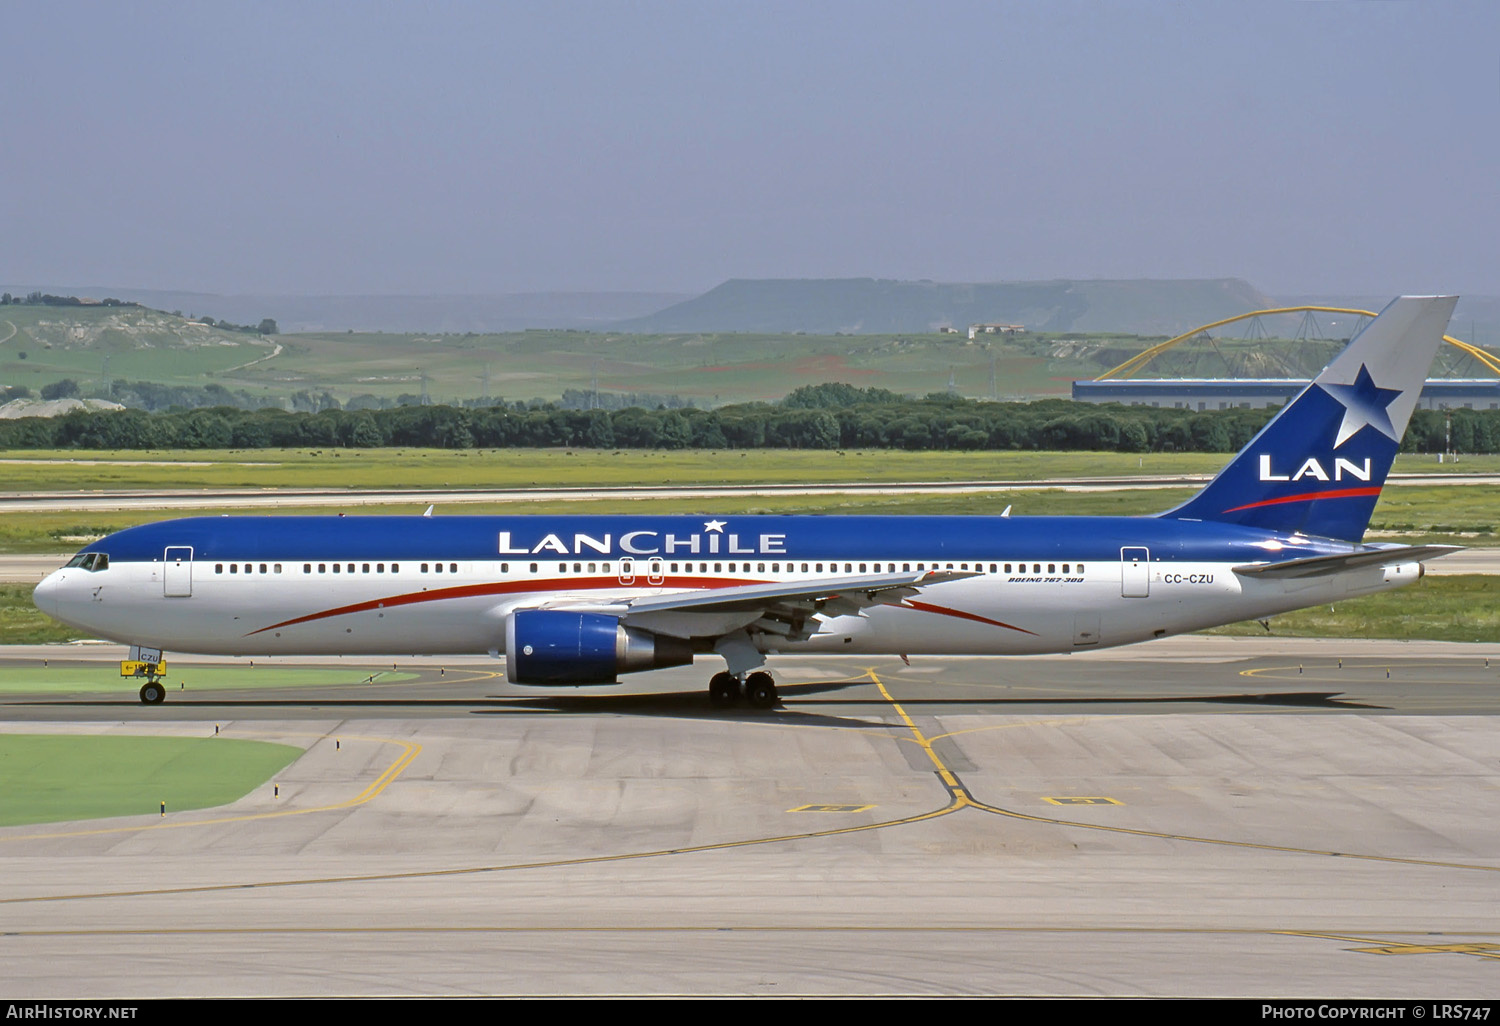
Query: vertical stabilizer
pixel 1318 466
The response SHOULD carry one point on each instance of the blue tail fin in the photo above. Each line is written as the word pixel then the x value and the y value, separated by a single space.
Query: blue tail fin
pixel 1318 466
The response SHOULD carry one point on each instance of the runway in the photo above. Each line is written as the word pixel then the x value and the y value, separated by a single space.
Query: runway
pixel 1196 817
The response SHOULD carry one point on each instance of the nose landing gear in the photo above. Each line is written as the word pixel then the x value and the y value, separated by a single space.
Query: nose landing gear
pixel 759 690
pixel 152 692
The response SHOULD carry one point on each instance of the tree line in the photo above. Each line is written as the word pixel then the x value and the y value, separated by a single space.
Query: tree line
pixel 933 423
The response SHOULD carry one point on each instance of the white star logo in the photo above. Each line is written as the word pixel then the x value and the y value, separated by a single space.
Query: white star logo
pixel 717 526
pixel 1364 405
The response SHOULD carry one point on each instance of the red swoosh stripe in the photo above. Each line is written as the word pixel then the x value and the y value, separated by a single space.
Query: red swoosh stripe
pixel 1341 493
pixel 575 584
pixel 496 588
pixel 928 607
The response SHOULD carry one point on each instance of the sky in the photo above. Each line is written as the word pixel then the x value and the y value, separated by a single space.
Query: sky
pixel 501 147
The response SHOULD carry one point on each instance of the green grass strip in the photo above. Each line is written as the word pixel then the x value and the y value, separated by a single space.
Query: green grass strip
pixel 95 678
pixel 1461 607
pixel 48 778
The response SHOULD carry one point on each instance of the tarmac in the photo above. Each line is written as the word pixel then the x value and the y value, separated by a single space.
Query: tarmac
pixel 1204 817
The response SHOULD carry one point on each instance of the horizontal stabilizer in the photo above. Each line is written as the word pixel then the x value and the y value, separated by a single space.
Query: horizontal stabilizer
pixel 1319 566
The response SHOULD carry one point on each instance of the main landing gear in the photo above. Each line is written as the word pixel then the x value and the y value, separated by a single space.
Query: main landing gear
pixel 759 690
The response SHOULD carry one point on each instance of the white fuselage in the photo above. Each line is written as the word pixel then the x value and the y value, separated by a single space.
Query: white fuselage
pixel 291 607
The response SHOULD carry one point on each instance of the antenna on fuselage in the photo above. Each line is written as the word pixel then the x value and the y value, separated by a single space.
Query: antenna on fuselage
pixel 429 510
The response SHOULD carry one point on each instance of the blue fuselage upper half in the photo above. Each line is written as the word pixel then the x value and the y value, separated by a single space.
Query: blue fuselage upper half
pixel 482 538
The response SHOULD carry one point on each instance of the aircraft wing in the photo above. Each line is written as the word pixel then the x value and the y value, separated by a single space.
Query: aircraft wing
pixel 780 608
pixel 1318 566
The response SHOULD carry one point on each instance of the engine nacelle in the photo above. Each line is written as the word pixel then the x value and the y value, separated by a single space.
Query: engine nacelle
pixel 554 646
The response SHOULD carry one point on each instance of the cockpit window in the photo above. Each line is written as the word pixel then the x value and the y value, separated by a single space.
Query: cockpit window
pixel 90 561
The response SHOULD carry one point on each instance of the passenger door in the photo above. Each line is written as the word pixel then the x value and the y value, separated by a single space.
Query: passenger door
pixel 1135 572
pixel 177 571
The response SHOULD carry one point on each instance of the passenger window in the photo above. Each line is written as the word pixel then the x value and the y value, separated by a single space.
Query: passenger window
pixel 234 568
pixel 453 568
pixel 276 568
pixel 336 568
pixel 218 568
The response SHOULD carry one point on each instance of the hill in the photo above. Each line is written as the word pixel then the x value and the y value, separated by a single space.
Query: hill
pixel 43 344
pixel 455 313
pixel 879 306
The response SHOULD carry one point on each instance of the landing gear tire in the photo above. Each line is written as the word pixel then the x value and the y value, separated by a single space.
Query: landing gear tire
pixel 152 693
pixel 760 691
pixel 723 690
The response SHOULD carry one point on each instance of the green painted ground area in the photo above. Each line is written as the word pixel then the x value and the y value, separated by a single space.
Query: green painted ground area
pixel 1463 607
pixel 62 470
pixel 73 678
pixel 51 778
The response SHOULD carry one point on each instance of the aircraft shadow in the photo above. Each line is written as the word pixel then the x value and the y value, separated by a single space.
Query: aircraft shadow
pixel 695 704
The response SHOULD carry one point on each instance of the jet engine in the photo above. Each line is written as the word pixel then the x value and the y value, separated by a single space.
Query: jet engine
pixel 555 646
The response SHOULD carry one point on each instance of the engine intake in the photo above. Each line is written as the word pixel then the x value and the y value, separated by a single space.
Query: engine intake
pixel 553 646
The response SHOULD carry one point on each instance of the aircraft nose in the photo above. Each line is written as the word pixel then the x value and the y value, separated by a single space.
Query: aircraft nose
pixel 45 595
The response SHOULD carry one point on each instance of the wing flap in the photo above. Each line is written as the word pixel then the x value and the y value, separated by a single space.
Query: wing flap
pixel 860 591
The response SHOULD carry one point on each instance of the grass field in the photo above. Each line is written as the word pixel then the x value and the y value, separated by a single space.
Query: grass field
pixel 1462 607
pixel 1469 515
pixel 90 344
pixel 53 778
pixel 64 470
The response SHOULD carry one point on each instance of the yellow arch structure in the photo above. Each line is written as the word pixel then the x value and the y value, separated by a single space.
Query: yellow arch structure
pixel 1139 360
